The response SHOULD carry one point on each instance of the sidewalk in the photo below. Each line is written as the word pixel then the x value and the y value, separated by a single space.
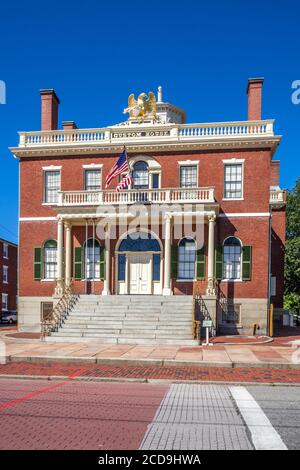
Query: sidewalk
pixel 280 354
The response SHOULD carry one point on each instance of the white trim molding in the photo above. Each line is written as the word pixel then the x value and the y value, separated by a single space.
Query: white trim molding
pixel 233 160
pixel 51 168
pixel 245 214
pixel 188 162
pixel 93 166
pixel 37 219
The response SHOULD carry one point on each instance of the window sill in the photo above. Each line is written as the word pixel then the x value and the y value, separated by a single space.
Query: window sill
pixel 185 280
pixel 89 280
pixel 232 280
pixel 49 203
pixel 48 280
pixel 5 282
pixel 233 199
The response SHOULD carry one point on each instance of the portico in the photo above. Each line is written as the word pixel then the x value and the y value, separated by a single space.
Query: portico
pixel 136 261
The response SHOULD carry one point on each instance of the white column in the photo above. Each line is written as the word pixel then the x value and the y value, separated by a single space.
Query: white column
pixel 60 247
pixel 167 258
pixel 68 271
pixel 106 284
pixel 210 290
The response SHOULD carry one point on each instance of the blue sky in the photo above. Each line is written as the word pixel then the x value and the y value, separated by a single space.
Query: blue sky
pixel 95 53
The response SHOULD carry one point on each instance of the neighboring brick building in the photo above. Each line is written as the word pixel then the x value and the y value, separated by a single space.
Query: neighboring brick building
pixel 8 276
pixel 221 176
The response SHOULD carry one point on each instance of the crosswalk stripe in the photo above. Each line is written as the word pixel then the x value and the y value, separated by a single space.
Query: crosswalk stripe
pixel 263 434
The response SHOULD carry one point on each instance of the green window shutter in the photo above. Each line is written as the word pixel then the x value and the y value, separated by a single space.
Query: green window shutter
pixel 219 263
pixel 174 261
pixel 37 264
pixel 78 262
pixel 200 264
pixel 247 263
pixel 102 264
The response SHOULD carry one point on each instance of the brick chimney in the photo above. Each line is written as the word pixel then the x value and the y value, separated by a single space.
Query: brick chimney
pixel 254 92
pixel 69 125
pixel 49 110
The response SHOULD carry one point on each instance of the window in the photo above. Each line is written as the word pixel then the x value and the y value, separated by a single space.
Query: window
pixel 233 176
pixel 231 314
pixel 52 186
pixel 92 180
pixel 188 176
pixel 4 302
pixel 232 258
pixel 92 259
pixel 50 260
pixel 121 267
pixel 141 175
pixel 5 274
pixel 46 311
pixel 186 259
pixel 139 242
pixel 156 268
pixel 5 250
pixel 155 180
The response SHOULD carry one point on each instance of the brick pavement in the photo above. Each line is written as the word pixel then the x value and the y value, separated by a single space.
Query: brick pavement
pixel 143 373
pixel 77 415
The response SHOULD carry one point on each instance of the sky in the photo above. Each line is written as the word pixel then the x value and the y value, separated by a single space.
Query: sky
pixel 95 53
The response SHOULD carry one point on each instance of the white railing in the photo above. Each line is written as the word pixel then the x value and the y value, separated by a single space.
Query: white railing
pixel 132 196
pixel 157 133
pixel 277 196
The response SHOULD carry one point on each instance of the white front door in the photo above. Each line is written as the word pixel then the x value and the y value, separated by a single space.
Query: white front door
pixel 140 276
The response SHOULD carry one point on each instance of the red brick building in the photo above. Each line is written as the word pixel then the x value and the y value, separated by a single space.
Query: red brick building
pixel 8 278
pixel 217 222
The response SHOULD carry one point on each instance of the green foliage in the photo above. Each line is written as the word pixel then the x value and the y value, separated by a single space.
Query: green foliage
pixel 292 302
pixel 293 212
pixel 292 250
pixel 292 266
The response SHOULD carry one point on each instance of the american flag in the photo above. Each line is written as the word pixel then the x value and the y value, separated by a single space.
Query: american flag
pixel 120 167
pixel 126 181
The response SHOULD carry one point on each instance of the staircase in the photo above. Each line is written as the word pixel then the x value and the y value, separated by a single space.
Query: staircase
pixel 129 319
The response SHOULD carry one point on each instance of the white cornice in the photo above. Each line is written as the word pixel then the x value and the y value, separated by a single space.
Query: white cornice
pixel 257 143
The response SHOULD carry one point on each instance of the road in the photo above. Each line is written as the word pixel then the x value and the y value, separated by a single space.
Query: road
pixel 70 414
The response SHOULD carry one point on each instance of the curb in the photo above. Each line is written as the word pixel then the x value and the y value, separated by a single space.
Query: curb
pixel 150 362
pixel 144 381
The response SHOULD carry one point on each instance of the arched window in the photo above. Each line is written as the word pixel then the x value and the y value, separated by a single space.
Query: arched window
pixel 232 258
pixel 141 175
pixel 50 259
pixel 186 259
pixel 139 242
pixel 92 259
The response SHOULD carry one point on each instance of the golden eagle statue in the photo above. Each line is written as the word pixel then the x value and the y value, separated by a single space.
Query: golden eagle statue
pixel 142 108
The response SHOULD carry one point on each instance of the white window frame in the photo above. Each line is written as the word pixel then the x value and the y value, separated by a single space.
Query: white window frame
pixel 45 263
pixel 5 274
pixel 45 171
pixel 5 250
pixel 188 163
pixel 180 279
pixel 89 169
pixel 234 279
pixel 234 161
pixel 4 301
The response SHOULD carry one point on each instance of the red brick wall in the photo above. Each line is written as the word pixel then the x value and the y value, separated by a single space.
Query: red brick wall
pixel 278 241
pixel 11 287
pixel 274 179
pixel 252 230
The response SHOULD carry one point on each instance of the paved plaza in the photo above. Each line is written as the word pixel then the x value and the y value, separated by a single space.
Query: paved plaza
pixel 282 352
pixel 67 414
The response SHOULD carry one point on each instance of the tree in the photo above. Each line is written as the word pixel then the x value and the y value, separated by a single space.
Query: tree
pixel 292 250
